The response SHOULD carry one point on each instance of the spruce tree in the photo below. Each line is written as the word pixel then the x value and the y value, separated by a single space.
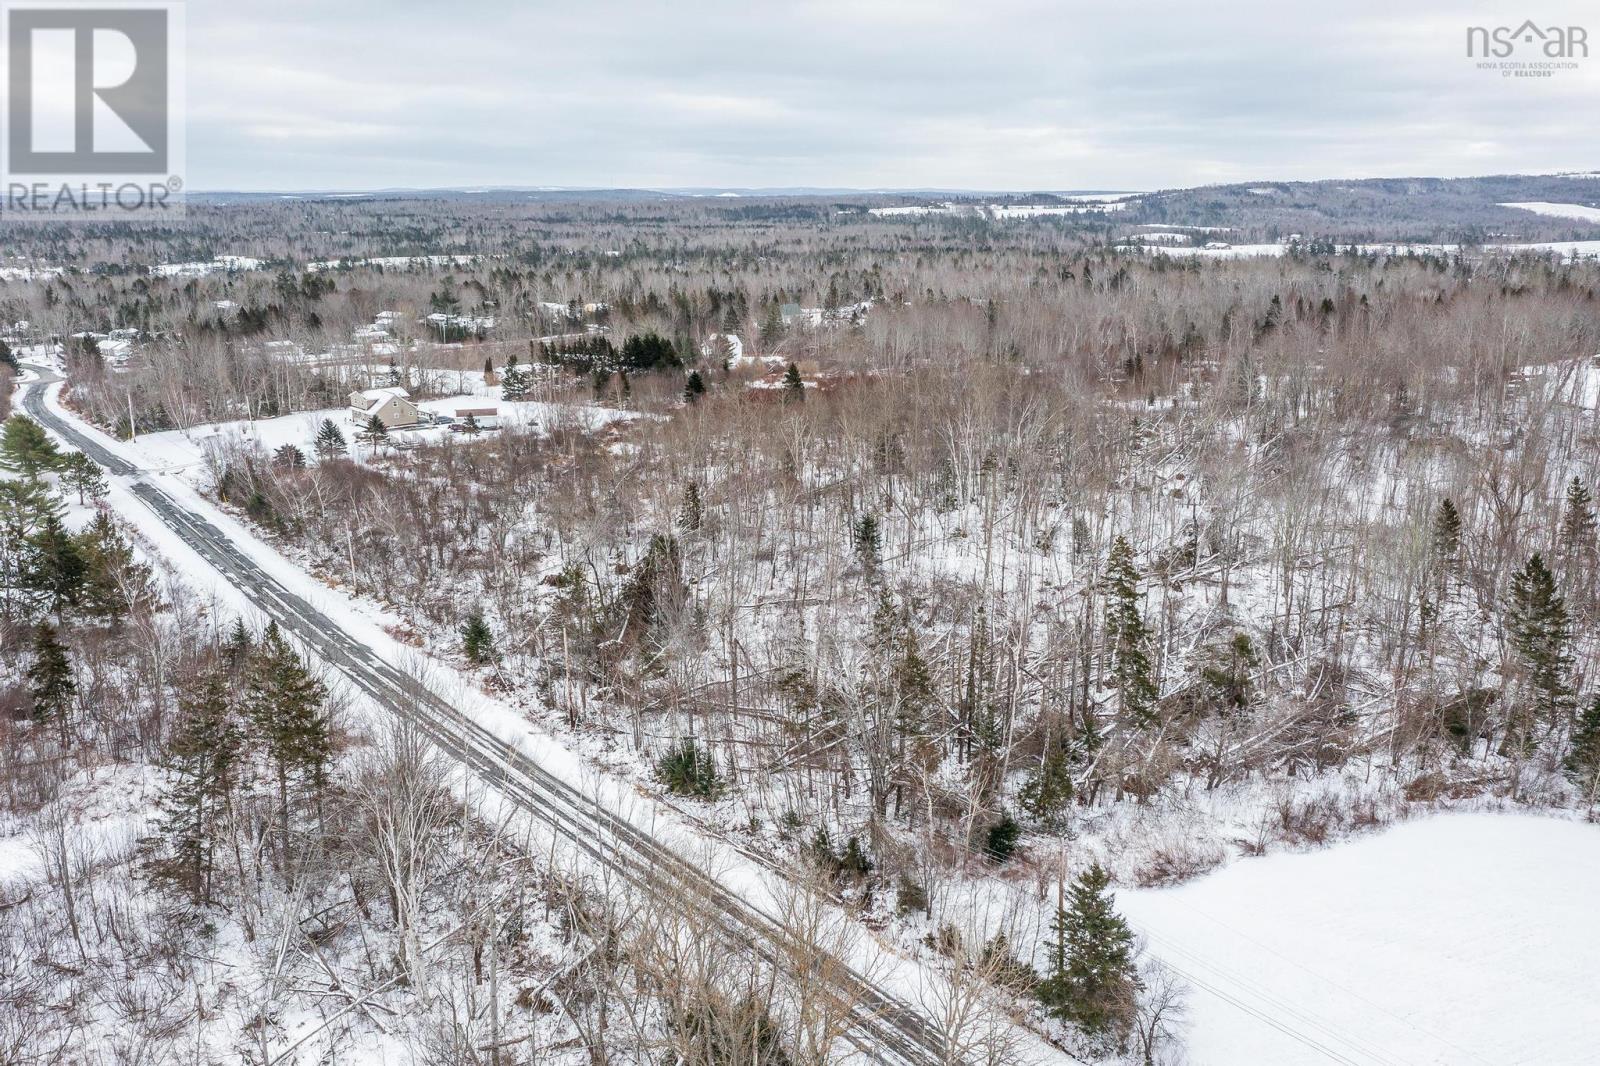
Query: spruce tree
pixel 201 760
pixel 694 387
pixel 1541 633
pixel 794 386
pixel 50 683
pixel 867 542
pixel 83 475
pixel 1577 520
pixel 375 431
pixel 329 442
pixel 1583 756
pixel 1047 793
pixel 1446 533
pixel 477 640
pixel 1127 638
pixel 1091 979
pixel 287 709
pixel 115 581
pixel 288 457
pixel 654 591
pixel 691 516
pixel 514 381
pixel 58 567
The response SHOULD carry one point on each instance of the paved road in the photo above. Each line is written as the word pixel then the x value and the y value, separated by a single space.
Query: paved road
pixel 886 1030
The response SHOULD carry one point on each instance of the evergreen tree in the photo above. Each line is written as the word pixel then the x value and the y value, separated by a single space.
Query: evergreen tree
pixel 867 542
pixel 288 457
pixel 58 569
pixel 1127 638
pixel 654 591
pixel 25 505
pixel 772 326
pixel 50 683
pixel 287 710
pixel 1047 793
pixel 649 351
pixel 83 475
pixel 1446 533
pixel 201 760
pixel 1577 521
pixel 692 515
pixel 1541 632
pixel 238 647
pixel 1226 678
pixel 329 442
pixel 26 449
pixel 1001 842
pixel 794 386
pixel 1091 980
pixel 514 381
pixel 477 641
pixel 115 581
pixel 375 431
pixel 694 387
pixel 1583 760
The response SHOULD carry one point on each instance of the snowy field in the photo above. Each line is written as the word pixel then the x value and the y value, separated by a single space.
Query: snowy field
pixel 1577 211
pixel 1459 939
pixel 175 450
pixel 1568 250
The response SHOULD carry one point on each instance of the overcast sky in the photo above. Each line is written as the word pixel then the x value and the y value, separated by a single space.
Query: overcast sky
pixel 360 94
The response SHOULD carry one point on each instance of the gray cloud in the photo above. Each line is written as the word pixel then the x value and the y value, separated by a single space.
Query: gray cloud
pixel 1015 94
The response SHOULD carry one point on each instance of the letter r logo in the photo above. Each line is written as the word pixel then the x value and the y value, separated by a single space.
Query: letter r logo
pixel 87 89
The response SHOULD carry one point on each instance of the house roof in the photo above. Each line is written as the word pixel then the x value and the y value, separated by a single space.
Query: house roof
pixel 374 397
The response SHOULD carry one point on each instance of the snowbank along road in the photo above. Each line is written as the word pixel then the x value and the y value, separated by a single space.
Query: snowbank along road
pixel 885 1029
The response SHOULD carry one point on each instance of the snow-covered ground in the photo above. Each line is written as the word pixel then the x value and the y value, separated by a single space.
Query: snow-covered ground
pixel 1577 211
pixel 1458 939
pixel 1572 250
pixel 184 449
pixel 740 873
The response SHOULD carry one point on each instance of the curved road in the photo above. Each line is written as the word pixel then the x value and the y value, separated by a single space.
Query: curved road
pixel 885 1029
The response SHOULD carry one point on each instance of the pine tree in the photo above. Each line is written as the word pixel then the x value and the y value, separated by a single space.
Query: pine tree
pixel 58 569
pixel 50 683
pixel 329 442
pixel 514 381
pixel 115 581
pixel 1446 533
pixel 26 449
pixel 1127 638
pixel 692 515
pixel 867 542
pixel 288 457
pixel 287 709
pixel 794 386
pixel 1578 521
pixel 1583 758
pixel 1091 980
pixel 1541 632
pixel 477 641
pixel 201 760
pixel 83 475
pixel 374 430
pixel 772 326
pixel 1047 793
pixel 654 591
pixel 694 387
